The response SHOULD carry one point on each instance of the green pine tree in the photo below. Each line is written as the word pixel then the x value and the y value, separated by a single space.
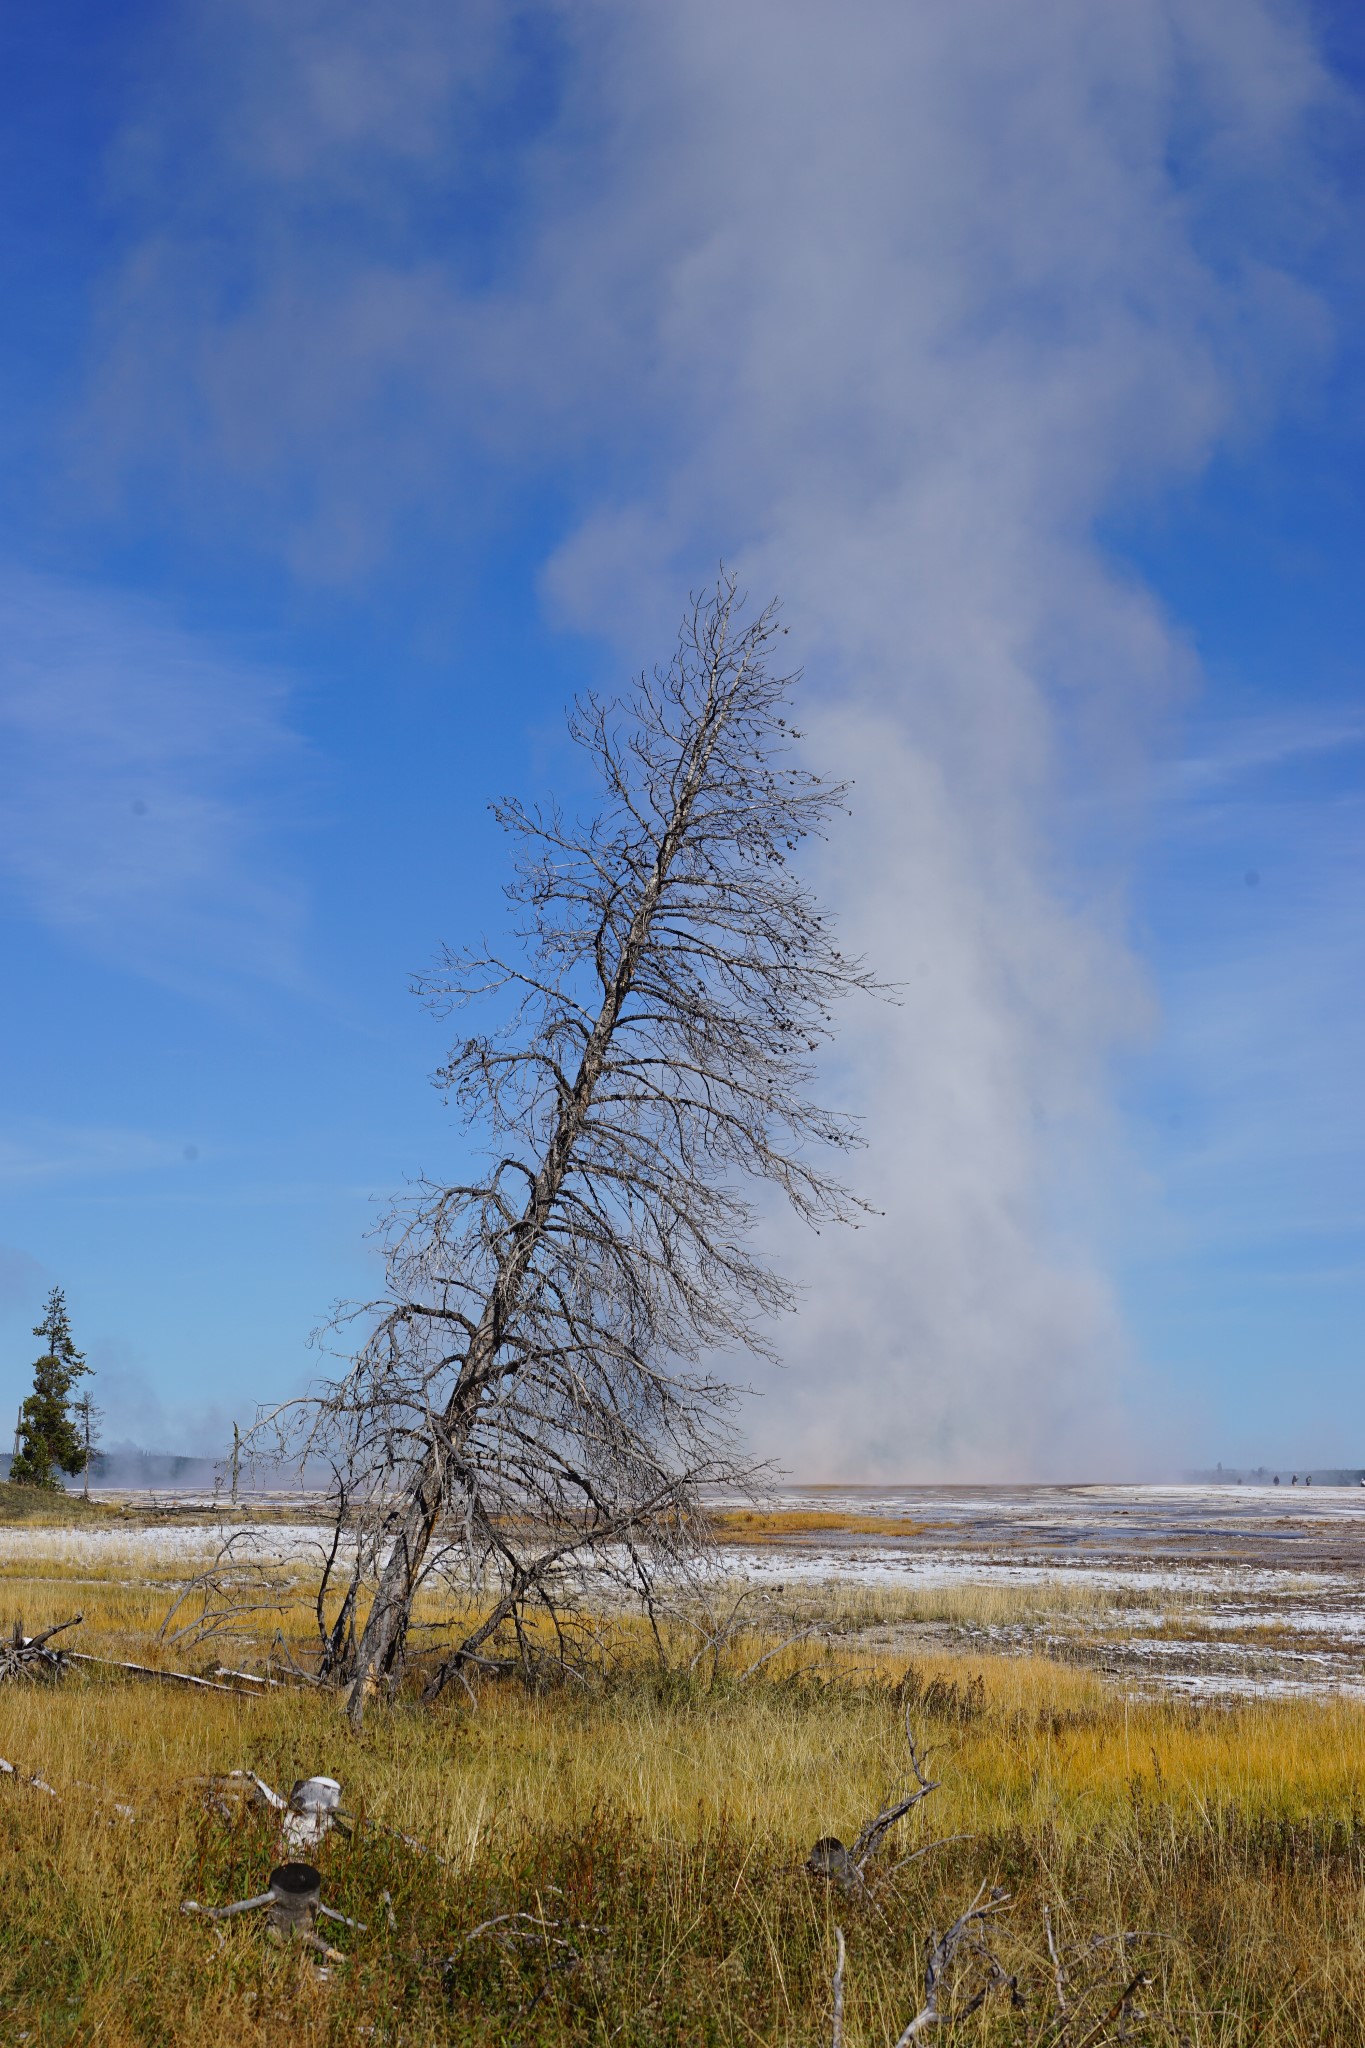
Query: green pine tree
pixel 50 1440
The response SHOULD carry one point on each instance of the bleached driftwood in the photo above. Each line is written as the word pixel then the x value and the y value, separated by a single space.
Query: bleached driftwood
pixel 836 2032
pixel 311 1810
pixel 8 1770
pixel 152 1671
pixel 24 1656
pixel 115 1806
pixel 307 1815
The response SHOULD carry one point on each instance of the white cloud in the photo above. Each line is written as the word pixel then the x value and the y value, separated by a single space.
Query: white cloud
pixel 890 305
pixel 136 765
pixel 1218 761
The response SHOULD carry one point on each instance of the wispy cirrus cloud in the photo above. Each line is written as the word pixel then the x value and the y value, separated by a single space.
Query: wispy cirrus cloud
pixel 1261 746
pixel 1261 830
pixel 138 767
pixel 55 1153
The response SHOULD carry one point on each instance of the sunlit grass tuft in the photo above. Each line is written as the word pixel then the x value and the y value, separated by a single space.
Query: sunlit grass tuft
pixel 759 1525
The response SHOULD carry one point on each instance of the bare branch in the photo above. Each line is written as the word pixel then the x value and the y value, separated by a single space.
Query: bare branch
pixel 871 1835
pixel 964 1934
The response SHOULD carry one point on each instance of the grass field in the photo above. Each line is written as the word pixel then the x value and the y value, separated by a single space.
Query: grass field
pixel 757 1525
pixel 654 1826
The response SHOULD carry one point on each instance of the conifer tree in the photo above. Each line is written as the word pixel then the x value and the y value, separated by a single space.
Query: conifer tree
pixel 50 1441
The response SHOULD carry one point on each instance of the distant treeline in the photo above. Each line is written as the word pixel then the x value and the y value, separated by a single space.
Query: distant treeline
pixel 1266 1475
pixel 129 1465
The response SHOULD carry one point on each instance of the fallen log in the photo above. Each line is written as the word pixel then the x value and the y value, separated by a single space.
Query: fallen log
pixel 150 1671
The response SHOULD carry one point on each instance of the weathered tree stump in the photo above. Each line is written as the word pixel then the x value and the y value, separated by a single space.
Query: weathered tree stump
pixel 295 1895
pixel 24 1656
pixel 829 1858
pixel 312 1810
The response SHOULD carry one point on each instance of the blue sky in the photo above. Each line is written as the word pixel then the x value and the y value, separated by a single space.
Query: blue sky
pixel 374 380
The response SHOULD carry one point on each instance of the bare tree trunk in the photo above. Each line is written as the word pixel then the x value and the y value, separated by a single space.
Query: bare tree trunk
pixel 381 1643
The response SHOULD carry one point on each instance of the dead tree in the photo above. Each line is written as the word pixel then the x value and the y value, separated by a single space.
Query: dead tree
pixel 535 1387
pixel 294 1903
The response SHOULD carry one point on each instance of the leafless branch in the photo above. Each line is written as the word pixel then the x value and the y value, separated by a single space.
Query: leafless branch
pixel 848 1866
pixel 236 1588
pixel 1116 2010
pixel 802 1635
pixel 964 1938
pixel 37 1784
pixel 1071 2005
pixel 226 1912
pixel 967 1942
pixel 926 1849
pixel 873 1832
pixel 1058 1967
pixel 531 1926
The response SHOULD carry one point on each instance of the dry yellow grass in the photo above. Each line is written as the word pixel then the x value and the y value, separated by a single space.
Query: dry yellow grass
pixel 674 1814
pixel 1050 1747
pixel 758 1525
pixel 982 1603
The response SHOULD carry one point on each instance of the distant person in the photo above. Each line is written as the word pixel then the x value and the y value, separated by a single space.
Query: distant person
pixel 1276 1479
pixel 1295 1480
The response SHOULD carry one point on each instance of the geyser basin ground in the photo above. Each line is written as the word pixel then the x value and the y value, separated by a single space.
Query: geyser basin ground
pixel 1226 1590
